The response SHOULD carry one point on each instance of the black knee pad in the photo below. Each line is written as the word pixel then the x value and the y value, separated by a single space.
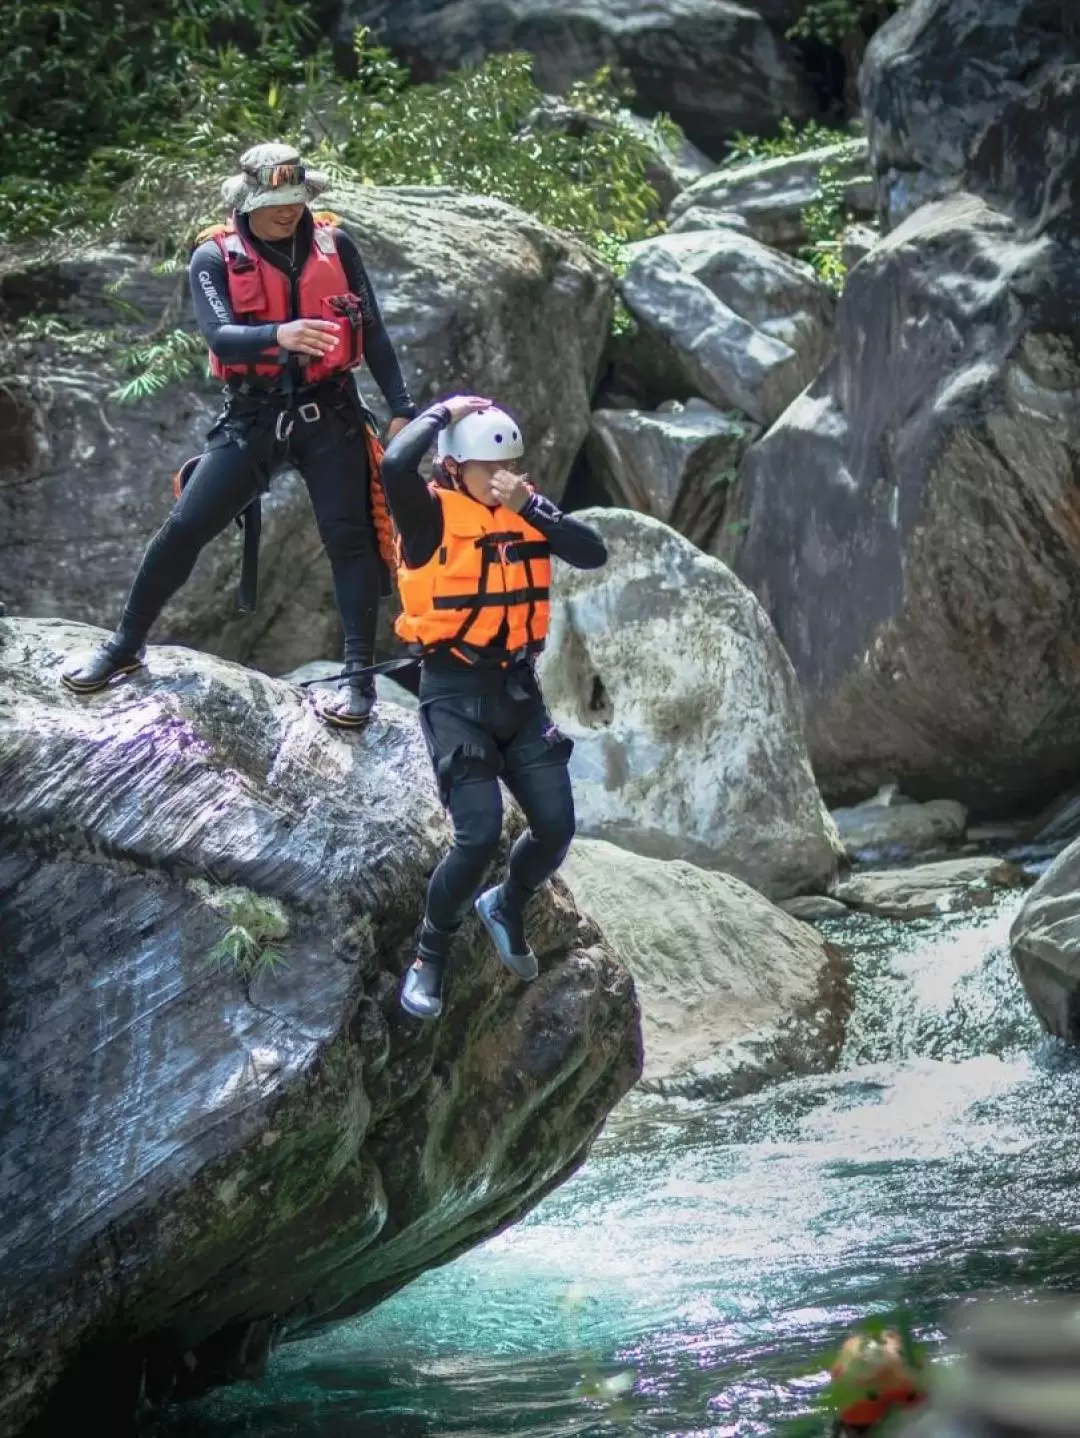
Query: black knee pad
pixel 467 761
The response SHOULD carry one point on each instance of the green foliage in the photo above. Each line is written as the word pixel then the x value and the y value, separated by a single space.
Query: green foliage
pixel 824 221
pixel 172 357
pixel 55 330
pixel 255 924
pixel 612 251
pixel 122 118
pixel 84 84
pixel 826 218
pixel 170 98
pixel 748 149
pixel 479 131
pixel 833 21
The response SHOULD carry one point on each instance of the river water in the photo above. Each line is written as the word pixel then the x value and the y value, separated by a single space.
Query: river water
pixel 693 1277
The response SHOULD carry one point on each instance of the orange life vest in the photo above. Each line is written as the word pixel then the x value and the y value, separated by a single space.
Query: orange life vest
pixel 491 566
pixel 877 1378
pixel 260 294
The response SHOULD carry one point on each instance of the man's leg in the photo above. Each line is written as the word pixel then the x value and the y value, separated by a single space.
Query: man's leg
pixel 225 481
pixel 332 457
pixel 537 774
pixel 466 761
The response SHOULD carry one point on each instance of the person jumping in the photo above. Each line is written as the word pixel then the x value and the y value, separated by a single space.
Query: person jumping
pixel 474 568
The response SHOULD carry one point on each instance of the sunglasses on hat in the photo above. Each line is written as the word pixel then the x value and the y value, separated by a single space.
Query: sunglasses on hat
pixel 272 177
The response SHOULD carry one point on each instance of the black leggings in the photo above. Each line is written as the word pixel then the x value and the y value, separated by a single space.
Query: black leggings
pixel 474 740
pixel 242 454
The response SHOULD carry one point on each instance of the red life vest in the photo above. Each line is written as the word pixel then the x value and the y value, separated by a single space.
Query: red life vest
pixel 260 294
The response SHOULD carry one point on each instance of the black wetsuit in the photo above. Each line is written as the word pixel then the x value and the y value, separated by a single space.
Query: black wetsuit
pixel 483 724
pixel 248 443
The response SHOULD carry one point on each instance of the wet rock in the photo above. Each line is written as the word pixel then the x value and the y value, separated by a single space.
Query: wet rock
pixel 747 326
pixel 889 826
pixel 1045 943
pixel 939 73
pixel 772 195
pixel 675 465
pixel 714 66
pixel 813 908
pixel 684 712
pixel 927 889
pixel 733 992
pixel 227 1157
pixel 911 522
pixel 476 295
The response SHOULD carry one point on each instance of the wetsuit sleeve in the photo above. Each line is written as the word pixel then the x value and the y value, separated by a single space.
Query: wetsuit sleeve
pixel 416 512
pixel 379 351
pixel 233 343
pixel 570 540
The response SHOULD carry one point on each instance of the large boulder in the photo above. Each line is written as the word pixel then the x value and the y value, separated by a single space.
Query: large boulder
pixel 715 66
pixel 676 464
pixel 664 670
pixel 772 196
pixel 208 1152
pixel 1045 943
pixel 476 296
pixel 734 993
pixel 939 73
pixel 911 521
pixel 891 826
pixel 744 325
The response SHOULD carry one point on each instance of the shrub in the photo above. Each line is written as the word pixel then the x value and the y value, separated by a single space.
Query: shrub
pixel 170 98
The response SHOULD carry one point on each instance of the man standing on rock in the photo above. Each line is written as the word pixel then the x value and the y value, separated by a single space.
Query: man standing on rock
pixel 288 311
pixel 474 570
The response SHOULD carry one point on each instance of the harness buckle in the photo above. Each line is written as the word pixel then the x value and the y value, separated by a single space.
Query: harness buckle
pixel 310 412
pixel 283 426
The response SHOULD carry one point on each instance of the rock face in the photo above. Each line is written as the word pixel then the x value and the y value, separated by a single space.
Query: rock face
pixel 713 65
pixel 1045 942
pixel 685 714
pixel 675 465
pixel 733 992
pixel 912 518
pixel 746 326
pixel 771 196
pixel 889 826
pixel 938 74
pixel 476 296
pixel 222 1161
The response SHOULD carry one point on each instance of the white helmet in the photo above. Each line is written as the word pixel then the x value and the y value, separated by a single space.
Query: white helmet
pixel 487 434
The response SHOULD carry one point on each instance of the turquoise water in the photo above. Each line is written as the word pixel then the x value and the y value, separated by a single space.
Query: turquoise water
pixel 689 1280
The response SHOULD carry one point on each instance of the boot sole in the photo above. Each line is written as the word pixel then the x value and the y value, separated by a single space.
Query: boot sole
pixel 417 1013
pixel 508 960
pixel 77 688
pixel 337 722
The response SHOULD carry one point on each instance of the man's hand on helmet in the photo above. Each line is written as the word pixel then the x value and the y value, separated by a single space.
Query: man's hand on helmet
pixel 459 405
